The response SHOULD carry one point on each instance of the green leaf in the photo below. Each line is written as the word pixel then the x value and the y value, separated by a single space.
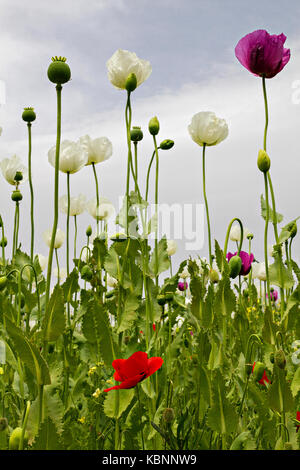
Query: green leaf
pixel 279 395
pixel 129 314
pixel 276 270
pixel 112 264
pixel 99 251
pixel 70 286
pixel 117 401
pixel 272 216
pixel 47 438
pixel 221 417
pixel 295 386
pixel 54 320
pixel 29 354
pixel 161 262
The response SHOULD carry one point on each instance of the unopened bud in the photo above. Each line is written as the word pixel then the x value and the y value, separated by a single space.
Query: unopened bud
pixel 235 266
pixel 131 82
pixel 258 371
pixel 213 276
pixel 263 161
pixel 166 144
pixel 153 126
pixel 89 231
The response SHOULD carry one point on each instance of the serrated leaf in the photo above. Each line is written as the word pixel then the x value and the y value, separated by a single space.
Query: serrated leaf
pixel 129 314
pixel 114 405
pixel 160 262
pixel 276 270
pixel 279 394
pixel 54 320
pixel 70 286
pixel 295 386
pixel 47 438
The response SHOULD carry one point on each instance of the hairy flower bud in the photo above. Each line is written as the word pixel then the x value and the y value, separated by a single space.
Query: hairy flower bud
pixel 235 266
pixel 28 115
pixel 166 144
pixel 279 359
pixel 136 134
pixel 153 126
pixel 168 415
pixel 58 71
pixel 263 161
pixel 131 82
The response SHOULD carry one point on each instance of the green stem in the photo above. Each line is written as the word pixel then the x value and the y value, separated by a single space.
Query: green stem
pixel 148 175
pixel 135 164
pixel 57 264
pixel 21 443
pixel 56 184
pixel 3 247
pixel 68 222
pixel 128 115
pixel 266 238
pixel 75 235
pixel 97 195
pixel 156 208
pixel 31 193
pixel 206 205
pixel 140 414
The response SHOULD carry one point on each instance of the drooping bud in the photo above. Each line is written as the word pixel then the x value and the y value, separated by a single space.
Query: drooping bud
pixel 248 369
pixel 250 236
pixel 153 126
pixel 16 196
pixel 136 134
pixel 89 231
pixel 58 71
pixel 131 82
pixel 166 144
pixel 272 357
pixel 168 415
pixel 258 371
pixel 280 359
pixel 235 266
pixel 28 115
pixel 263 161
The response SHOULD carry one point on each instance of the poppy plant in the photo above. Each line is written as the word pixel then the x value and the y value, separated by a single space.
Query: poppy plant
pixel 264 378
pixel 263 54
pixel 247 260
pixel 133 370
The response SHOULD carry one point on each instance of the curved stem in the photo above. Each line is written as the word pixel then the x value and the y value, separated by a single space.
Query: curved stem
pixel 56 184
pixel 148 175
pixel 228 233
pixel 57 264
pixel 97 195
pixel 206 205
pixel 31 193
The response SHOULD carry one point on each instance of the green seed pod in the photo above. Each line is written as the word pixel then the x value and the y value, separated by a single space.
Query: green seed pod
pixel 136 134
pixel 58 71
pixel 279 359
pixel 161 299
pixel 16 196
pixel 3 242
pixel 153 126
pixel 15 437
pixel 28 115
pixel 167 144
pixel 89 231
pixel 3 424
pixel 131 82
pixel 86 273
pixel 168 415
pixel 213 276
pixel 258 371
pixel 248 369
pixel 272 356
pixel 18 176
pixel 263 161
pixel 235 266
pixel 3 282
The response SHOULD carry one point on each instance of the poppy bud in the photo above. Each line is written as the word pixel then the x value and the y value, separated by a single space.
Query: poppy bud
pixel 3 424
pixel 28 115
pixel 161 299
pixel 250 236
pixel 131 82
pixel 246 293
pixel 272 358
pixel 153 126
pixel 3 282
pixel 258 371
pixel 86 273
pixel 213 276
pixel 16 196
pixel 3 242
pixel 167 144
pixel 15 437
pixel 58 71
pixel 280 359
pixel 235 266
pixel 168 415
pixel 22 300
pixel 89 231
pixel 263 161
pixel 136 134
pixel 293 230
pixel 18 176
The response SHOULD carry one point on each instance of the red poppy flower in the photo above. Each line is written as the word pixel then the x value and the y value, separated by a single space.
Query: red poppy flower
pixel 133 370
pixel 298 419
pixel 153 326
pixel 264 377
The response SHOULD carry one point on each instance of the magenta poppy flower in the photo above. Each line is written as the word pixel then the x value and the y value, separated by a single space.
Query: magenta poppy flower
pixel 182 286
pixel 247 260
pixel 273 295
pixel 263 54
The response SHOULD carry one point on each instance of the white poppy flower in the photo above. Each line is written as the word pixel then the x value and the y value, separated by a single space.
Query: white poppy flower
pixel 259 271
pixel 104 211
pixel 235 233
pixel 122 63
pixel 171 247
pixel 77 204
pixel 43 261
pixel 59 238
pixel 72 156
pixel 111 281
pixel 207 128
pixel 9 168
pixel 98 150
pixel 270 250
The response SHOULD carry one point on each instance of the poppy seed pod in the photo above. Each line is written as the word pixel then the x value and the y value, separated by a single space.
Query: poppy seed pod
pixel 168 415
pixel 3 282
pixel 279 359
pixel 235 266
pixel 58 71
pixel 28 115
pixel 136 134
pixel 16 196
pixel 131 82
pixel 263 161
pixel 167 144
pixel 18 176
pixel 153 126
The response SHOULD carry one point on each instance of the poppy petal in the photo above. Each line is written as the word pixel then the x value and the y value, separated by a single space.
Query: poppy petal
pixel 134 365
pixel 154 363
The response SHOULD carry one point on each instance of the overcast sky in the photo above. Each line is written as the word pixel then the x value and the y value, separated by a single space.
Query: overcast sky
pixel 190 44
